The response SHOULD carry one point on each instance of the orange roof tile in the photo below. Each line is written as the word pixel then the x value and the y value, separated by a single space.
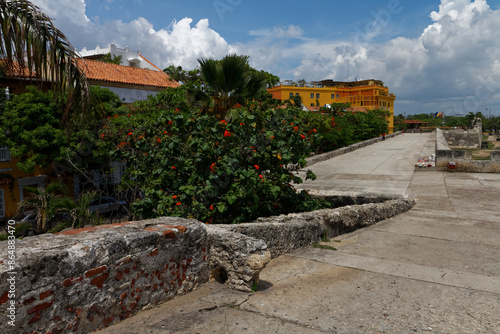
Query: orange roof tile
pixel 106 72
pixel 15 70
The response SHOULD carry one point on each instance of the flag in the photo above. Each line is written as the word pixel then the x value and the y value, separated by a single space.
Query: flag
pixel 436 114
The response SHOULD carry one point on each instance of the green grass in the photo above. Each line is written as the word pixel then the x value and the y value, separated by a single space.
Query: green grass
pixel 324 247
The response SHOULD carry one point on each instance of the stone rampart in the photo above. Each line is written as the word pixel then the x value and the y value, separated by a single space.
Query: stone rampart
pixel 90 278
pixel 461 159
pixel 286 233
pixel 85 279
pixel 328 155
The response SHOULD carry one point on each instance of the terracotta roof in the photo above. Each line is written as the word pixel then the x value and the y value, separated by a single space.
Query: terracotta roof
pixel 313 108
pixel 15 70
pixel 107 72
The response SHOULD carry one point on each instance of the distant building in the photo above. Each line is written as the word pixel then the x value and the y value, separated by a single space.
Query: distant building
pixel 134 79
pixel 362 95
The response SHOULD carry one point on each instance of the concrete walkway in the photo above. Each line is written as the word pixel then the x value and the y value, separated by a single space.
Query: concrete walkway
pixel 434 269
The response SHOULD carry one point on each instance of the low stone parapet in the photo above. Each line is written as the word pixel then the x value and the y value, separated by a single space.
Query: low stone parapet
pixel 89 278
pixel 353 147
pixel 81 280
pixel 286 233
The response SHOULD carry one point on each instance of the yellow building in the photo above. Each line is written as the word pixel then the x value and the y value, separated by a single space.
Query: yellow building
pixel 368 94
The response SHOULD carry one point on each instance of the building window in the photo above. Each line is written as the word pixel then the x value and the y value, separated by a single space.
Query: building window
pixel 317 95
pixel 4 154
pixel 337 96
pixel 2 204
pixel 333 96
pixel 312 104
pixel 291 94
pixel 297 94
pixel 312 95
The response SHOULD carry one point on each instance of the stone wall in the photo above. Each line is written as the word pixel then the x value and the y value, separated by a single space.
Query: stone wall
pixel 85 279
pixel 328 155
pixel 462 158
pixel 464 138
pixel 90 278
pixel 286 233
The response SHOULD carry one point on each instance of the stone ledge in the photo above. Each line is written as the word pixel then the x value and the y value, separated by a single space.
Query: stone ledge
pixel 90 278
pixel 353 147
pixel 286 233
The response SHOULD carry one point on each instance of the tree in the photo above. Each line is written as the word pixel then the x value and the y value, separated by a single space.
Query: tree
pixel 31 128
pixel 44 203
pixel 230 81
pixel 29 37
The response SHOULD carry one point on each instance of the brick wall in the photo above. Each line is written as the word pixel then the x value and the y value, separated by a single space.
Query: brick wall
pixel 86 279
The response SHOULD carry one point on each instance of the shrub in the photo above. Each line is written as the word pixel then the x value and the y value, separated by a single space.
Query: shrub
pixel 182 163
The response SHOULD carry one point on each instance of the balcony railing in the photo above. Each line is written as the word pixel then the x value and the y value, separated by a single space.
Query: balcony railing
pixel 4 154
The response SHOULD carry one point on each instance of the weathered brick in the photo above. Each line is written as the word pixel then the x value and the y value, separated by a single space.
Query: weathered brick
pixel 78 231
pixel 69 281
pixel 4 298
pixel 39 307
pixel 154 252
pixel 181 229
pixel 123 296
pixel 29 300
pixel 133 306
pixel 37 317
pixel 119 276
pixel 169 234
pixel 99 280
pixel 45 294
pixel 95 271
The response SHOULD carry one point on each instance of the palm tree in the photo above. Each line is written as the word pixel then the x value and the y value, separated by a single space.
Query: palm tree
pixel 30 39
pixel 79 211
pixel 230 81
pixel 44 202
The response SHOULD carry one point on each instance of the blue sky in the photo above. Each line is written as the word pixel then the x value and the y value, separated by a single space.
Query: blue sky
pixel 435 55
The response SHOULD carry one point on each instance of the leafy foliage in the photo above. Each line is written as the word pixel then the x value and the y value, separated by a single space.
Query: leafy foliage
pixel 192 165
pixel 29 37
pixel 31 127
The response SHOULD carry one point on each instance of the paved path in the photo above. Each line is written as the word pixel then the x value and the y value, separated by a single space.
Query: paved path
pixel 434 269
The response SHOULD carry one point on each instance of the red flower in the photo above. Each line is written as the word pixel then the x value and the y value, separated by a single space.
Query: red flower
pixel 174 196
pixel 302 136
pixel 173 167
pixel 227 133
pixel 212 167
pixel 212 207
pixel 102 135
pixel 170 122
pixel 241 124
pixel 256 167
pixel 178 203
pixel 165 132
pixel 295 128
pixel 158 140
pixel 223 122
pixel 130 133
pixel 260 175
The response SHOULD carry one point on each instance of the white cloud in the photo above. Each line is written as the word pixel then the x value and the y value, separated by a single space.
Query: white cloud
pixel 452 61
pixel 452 66
pixel 179 44
pixel 291 31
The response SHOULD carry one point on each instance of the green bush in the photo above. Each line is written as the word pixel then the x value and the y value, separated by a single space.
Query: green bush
pixel 183 163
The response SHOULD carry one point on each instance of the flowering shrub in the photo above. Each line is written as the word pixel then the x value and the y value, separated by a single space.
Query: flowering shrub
pixel 182 163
